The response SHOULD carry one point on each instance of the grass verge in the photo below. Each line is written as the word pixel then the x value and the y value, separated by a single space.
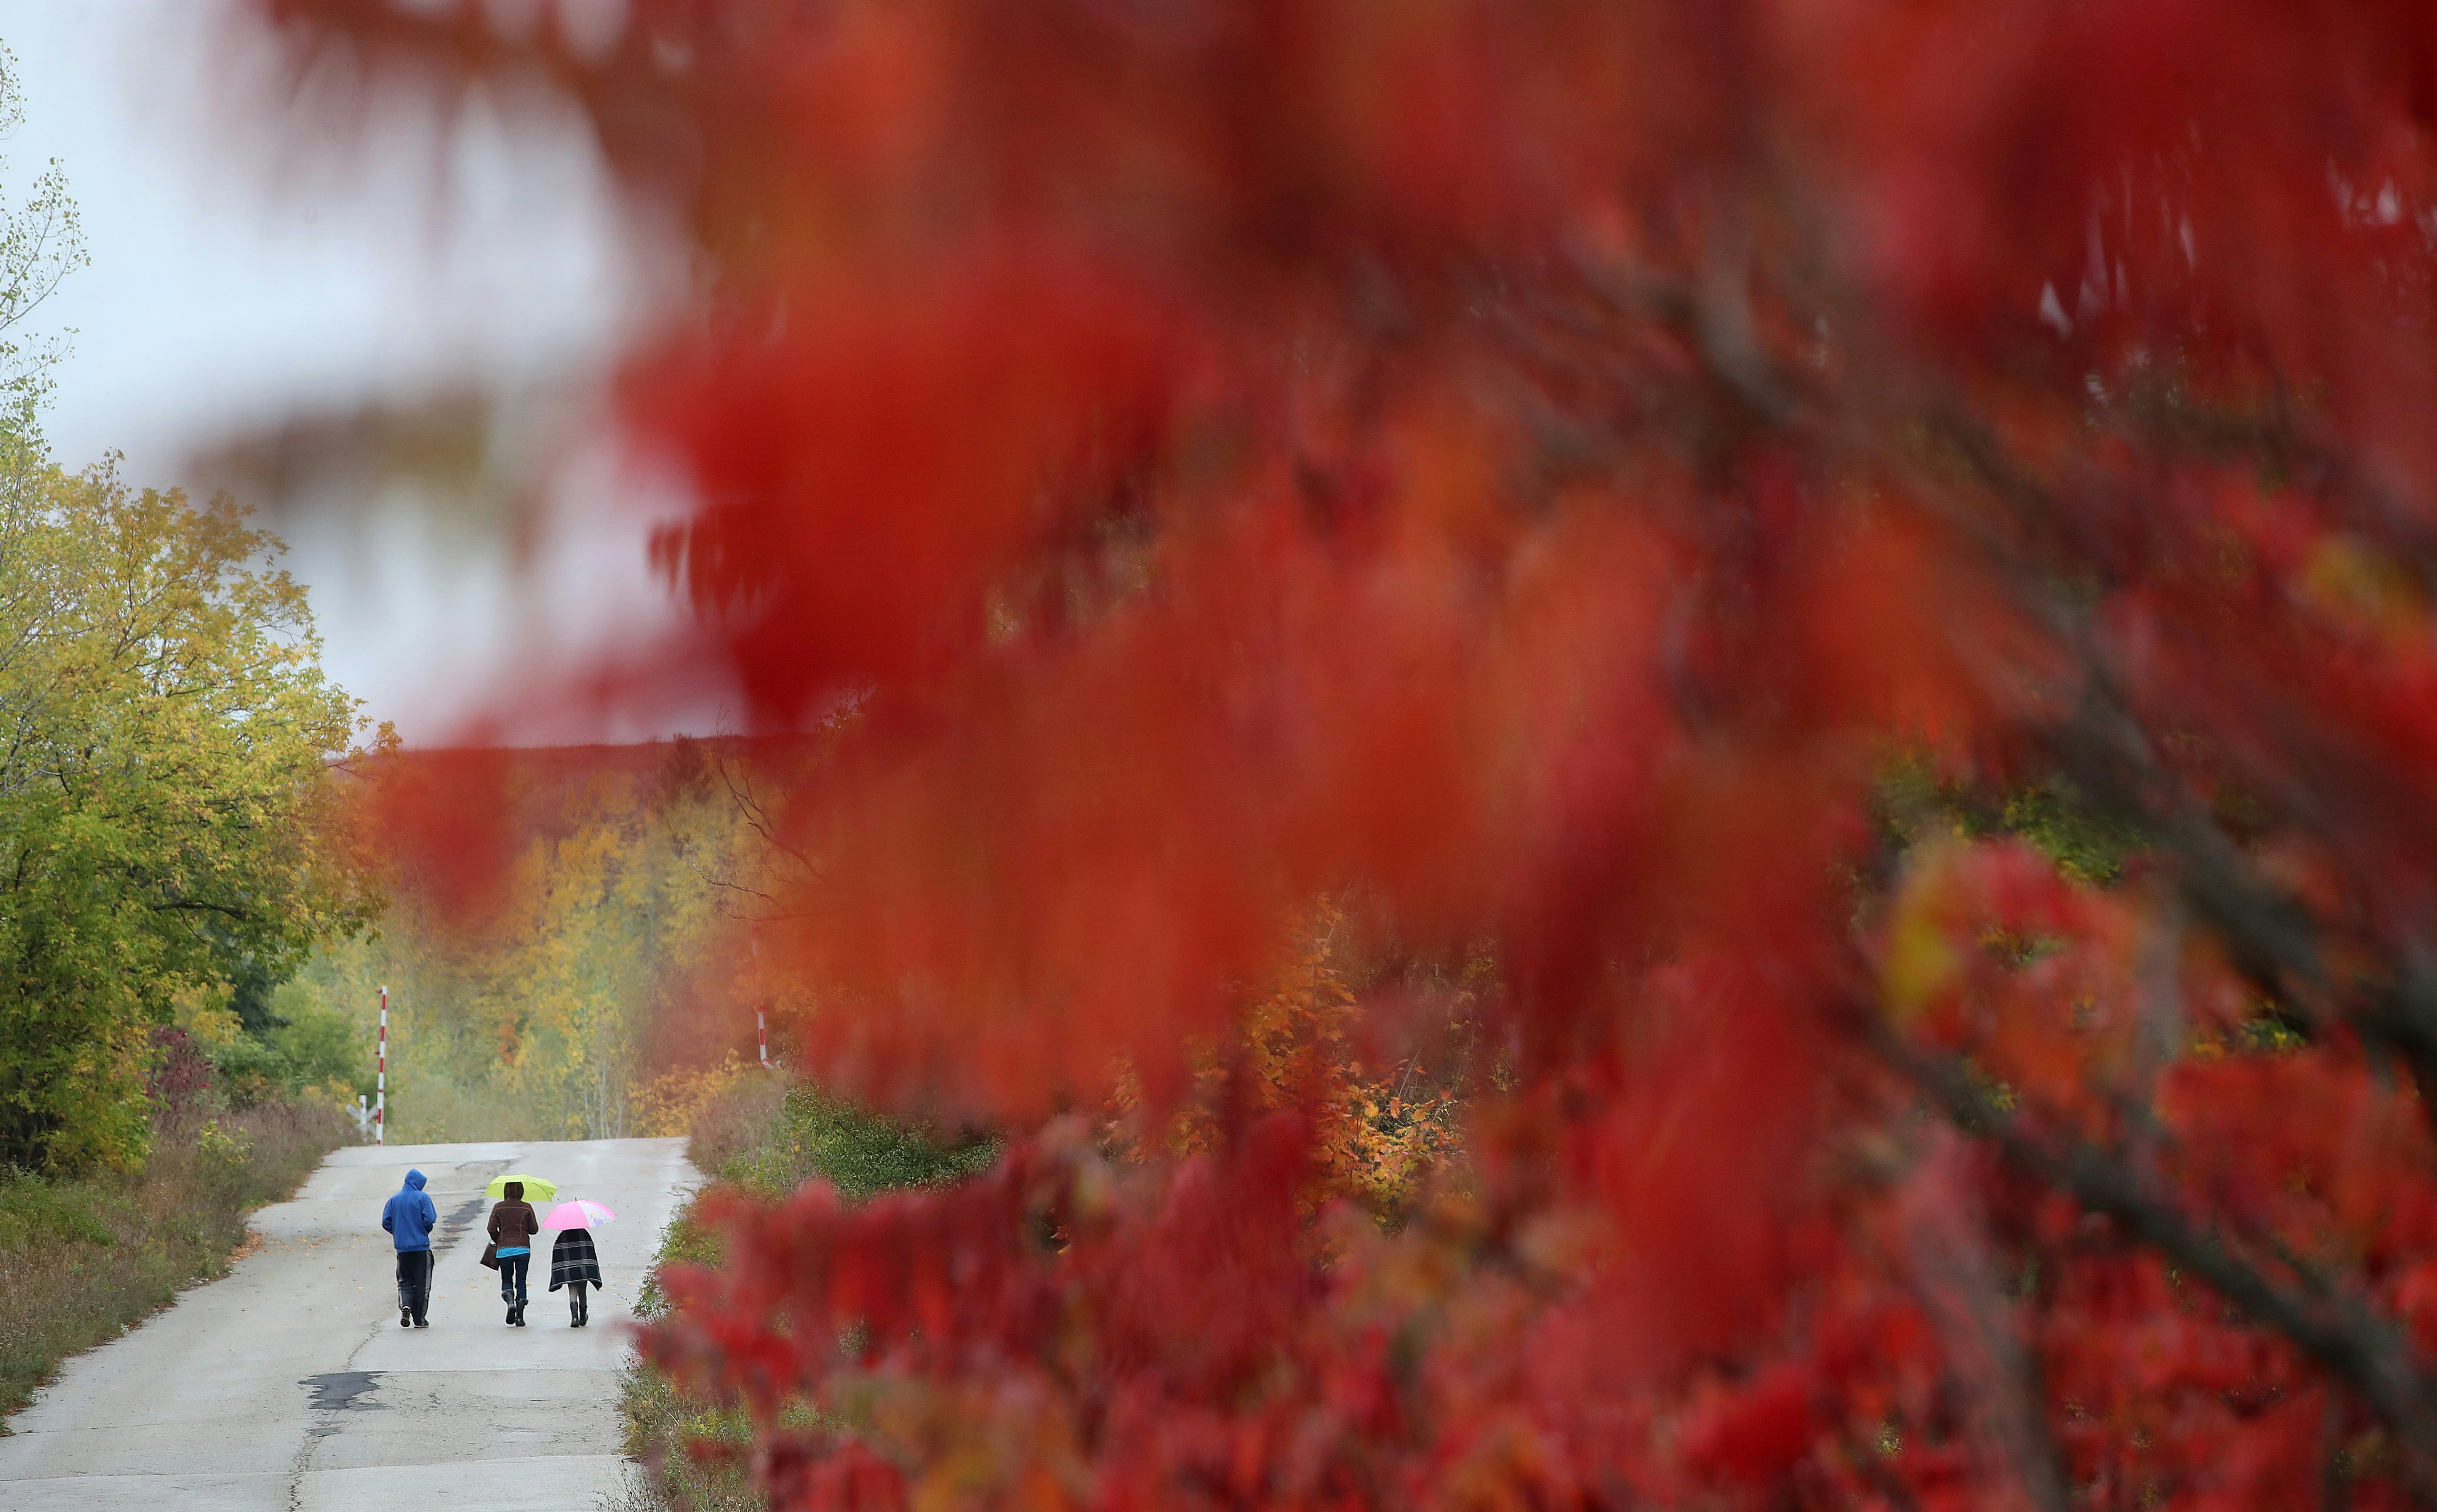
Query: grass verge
pixel 82 1261
pixel 768 1141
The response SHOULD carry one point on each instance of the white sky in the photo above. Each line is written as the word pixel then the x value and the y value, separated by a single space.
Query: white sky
pixel 241 272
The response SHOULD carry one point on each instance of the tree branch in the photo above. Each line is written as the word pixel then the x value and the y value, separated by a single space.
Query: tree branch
pixel 2340 1332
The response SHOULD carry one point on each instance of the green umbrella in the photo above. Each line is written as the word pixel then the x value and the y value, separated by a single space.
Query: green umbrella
pixel 537 1189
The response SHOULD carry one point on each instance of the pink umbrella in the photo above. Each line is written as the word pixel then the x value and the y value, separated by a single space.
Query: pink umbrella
pixel 581 1214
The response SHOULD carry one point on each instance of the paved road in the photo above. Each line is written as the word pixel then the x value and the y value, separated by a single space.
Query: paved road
pixel 287 1384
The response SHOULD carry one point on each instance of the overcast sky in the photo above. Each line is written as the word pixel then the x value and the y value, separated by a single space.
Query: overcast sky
pixel 243 272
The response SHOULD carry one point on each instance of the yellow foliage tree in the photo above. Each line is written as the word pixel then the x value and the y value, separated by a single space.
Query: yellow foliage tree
pixel 537 1020
pixel 1379 1138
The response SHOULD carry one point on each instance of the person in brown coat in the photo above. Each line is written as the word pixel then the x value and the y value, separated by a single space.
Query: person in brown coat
pixel 513 1225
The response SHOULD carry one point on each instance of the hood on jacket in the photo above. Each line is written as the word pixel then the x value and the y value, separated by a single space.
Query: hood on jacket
pixel 409 1214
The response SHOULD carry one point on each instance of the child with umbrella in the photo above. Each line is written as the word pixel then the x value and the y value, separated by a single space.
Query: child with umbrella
pixel 572 1263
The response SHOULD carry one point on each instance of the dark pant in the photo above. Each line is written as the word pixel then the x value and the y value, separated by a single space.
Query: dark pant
pixel 414 1282
pixel 575 1308
pixel 511 1278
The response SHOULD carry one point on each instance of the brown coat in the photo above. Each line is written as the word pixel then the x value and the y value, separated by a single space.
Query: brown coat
pixel 514 1223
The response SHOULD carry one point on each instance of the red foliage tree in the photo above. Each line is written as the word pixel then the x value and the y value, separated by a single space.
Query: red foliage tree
pixel 1552 466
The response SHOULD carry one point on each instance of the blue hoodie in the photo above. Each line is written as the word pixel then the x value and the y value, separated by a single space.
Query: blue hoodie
pixel 410 1215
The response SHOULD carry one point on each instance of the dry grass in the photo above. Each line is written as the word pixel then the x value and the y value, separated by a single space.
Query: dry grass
pixel 662 1429
pixel 84 1261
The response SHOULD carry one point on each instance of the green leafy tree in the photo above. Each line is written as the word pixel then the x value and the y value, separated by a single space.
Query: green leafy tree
pixel 41 241
pixel 167 736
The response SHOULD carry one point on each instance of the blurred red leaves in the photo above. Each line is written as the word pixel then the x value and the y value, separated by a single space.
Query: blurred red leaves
pixel 442 824
pixel 878 457
pixel 1879 556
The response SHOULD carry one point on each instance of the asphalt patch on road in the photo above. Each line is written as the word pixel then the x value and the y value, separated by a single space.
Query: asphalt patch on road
pixel 341 1391
pixel 445 1236
pixel 451 1226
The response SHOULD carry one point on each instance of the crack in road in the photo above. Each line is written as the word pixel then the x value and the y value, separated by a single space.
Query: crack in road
pixel 334 1392
pixel 339 1391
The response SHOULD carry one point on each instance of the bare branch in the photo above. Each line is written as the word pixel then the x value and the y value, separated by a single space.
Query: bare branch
pixel 2340 1332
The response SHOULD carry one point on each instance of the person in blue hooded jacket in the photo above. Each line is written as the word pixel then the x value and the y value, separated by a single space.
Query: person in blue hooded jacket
pixel 408 1217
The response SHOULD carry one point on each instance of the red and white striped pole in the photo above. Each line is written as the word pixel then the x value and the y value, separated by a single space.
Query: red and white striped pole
pixel 381 1082
pixel 761 1021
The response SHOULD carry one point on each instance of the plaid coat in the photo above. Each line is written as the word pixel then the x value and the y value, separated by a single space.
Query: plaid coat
pixel 571 1259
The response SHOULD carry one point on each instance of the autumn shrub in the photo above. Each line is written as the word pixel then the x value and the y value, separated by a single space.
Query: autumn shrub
pixel 83 1258
pixel 1389 1139
pixel 754 1135
pixel 1549 467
